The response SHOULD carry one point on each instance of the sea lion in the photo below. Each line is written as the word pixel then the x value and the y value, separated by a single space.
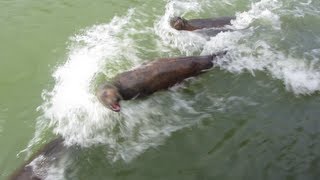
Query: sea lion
pixel 180 23
pixel 149 78
pixel 36 168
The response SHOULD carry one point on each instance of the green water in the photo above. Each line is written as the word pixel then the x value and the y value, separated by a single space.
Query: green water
pixel 259 130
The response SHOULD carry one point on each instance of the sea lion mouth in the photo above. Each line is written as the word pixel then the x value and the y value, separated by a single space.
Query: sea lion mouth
pixel 115 107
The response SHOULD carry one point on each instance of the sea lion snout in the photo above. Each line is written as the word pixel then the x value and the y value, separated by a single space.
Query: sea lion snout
pixel 110 97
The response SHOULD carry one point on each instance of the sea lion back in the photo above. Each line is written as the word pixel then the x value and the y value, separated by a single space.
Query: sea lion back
pixel 160 74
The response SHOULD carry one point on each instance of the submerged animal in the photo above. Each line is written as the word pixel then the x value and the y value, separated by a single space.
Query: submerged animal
pixel 149 78
pixel 37 167
pixel 180 23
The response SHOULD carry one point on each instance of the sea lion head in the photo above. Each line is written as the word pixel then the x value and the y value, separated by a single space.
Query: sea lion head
pixel 178 23
pixel 110 97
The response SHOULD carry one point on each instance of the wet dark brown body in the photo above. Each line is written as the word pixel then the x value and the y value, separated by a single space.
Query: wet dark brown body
pixel 210 23
pixel 194 24
pixel 160 74
pixel 51 151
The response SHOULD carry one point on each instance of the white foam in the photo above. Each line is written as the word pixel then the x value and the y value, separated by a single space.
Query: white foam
pixel 260 10
pixel 57 170
pixel 49 168
pixel 73 111
pixel 248 49
pixel 39 166
pixel 186 42
pixel 299 76
pixel 147 123
pixel 71 106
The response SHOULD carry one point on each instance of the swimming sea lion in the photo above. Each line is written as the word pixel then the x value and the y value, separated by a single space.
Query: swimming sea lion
pixel 180 23
pixel 36 168
pixel 147 79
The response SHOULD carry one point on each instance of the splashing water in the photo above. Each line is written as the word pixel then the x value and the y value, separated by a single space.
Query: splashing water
pixel 260 10
pixel 186 42
pixel 73 111
pixel 71 106
pixel 251 46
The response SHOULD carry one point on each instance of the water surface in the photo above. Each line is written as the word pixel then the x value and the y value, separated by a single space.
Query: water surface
pixel 254 116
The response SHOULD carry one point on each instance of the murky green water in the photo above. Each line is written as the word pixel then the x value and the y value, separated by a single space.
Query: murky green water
pixel 255 116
